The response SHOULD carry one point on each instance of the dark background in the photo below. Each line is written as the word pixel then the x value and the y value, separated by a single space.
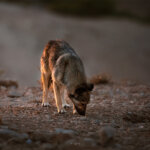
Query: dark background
pixel 111 36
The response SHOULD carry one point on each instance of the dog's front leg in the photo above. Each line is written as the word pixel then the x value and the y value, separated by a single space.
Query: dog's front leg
pixel 63 97
pixel 57 95
pixel 74 109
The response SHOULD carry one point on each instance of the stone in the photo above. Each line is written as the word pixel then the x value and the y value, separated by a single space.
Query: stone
pixel 28 141
pixel 29 92
pixel 83 118
pixel 64 131
pixel 7 134
pixel 47 117
pixel 106 134
pixel 14 93
pixel 90 142
pixel 47 146
pixel 3 88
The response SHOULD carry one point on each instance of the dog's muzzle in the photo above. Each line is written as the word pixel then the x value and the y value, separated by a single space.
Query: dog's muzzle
pixel 81 111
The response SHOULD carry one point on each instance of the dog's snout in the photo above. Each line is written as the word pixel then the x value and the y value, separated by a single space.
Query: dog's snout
pixel 81 109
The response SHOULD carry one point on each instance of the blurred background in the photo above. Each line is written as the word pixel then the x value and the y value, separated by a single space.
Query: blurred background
pixel 110 36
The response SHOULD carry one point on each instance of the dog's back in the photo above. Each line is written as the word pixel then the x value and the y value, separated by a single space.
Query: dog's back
pixel 53 50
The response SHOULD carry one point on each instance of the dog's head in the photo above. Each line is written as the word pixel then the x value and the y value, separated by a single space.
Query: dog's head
pixel 81 97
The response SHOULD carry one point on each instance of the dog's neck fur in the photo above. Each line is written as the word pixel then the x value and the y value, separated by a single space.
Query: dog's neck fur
pixel 76 77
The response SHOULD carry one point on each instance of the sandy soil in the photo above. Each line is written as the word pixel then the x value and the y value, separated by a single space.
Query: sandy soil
pixel 122 107
pixel 117 46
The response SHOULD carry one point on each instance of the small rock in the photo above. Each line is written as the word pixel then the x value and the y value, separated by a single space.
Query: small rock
pixel 13 94
pixel 142 94
pixel 7 134
pixel 84 118
pixel 141 127
pixel 97 121
pixel 131 102
pixel 91 134
pixel 70 142
pixel 90 142
pixel 129 113
pixel 47 117
pixel 28 141
pixel 118 146
pixel 64 131
pixel 4 127
pixel 3 88
pixel 47 146
pixel 29 92
pixel 106 134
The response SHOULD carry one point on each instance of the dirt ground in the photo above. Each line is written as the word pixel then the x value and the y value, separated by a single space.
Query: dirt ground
pixel 119 110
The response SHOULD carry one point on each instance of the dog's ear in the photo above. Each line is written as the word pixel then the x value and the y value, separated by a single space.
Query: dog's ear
pixel 82 88
pixel 90 86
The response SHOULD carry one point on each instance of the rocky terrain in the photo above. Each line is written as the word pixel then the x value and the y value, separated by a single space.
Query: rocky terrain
pixel 117 118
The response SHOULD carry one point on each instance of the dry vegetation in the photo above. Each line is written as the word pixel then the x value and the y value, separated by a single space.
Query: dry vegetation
pixel 101 79
pixel 8 83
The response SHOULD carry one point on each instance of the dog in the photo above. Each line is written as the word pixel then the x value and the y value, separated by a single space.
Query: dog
pixel 62 69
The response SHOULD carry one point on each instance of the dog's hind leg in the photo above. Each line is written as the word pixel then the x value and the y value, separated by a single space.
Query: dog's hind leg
pixel 57 95
pixel 45 79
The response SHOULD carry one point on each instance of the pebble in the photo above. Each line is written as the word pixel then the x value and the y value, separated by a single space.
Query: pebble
pixel 14 94
pixel 142 94
pixel 141 127
pixel 131 102
pixel 3 88
pixel 7 134
pixel 47 146
pixel 97 121
pixel 29 92
pixel 84 118
pixel 106 134
pixel 64 131
pixel 90 142
pixel 47 117
pixel 28 141
pixel 4 127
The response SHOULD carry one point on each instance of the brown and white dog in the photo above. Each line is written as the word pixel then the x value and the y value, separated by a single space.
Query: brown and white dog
pixel 62 68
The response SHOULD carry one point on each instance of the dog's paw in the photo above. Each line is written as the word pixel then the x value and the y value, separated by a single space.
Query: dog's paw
pixel 75 112
pixel 45 104
pixel 66 105
pixel 61 111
